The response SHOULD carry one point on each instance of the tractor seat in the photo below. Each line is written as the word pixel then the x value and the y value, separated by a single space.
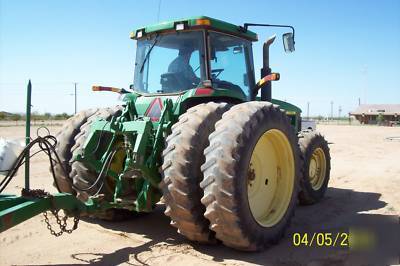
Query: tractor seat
pixel 174 81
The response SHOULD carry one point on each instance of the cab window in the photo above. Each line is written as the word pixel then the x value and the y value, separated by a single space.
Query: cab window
pixel 230 63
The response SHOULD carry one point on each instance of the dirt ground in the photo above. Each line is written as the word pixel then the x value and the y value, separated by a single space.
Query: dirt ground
pixel 363 191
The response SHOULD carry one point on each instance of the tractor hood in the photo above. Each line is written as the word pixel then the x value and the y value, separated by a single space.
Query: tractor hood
pixel 151 105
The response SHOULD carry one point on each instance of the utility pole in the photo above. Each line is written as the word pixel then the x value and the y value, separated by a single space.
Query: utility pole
pixel 75 96
pixel 308 110
pixel 365 74
pixel 340 111
pixel 331 110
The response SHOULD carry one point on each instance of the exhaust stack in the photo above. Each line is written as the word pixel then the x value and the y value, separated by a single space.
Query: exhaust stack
pixel 266 90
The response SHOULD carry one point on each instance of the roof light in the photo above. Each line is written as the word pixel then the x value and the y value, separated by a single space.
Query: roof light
pixel 207 83
pixel 204 91
pixel 132 35
pixel 180 26
pixel 204 22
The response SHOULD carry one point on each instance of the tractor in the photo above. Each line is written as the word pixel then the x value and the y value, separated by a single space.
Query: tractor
pixel 199 134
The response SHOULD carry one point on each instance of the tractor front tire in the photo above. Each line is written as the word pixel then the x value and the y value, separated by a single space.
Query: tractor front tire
pixel 316 167
pixel 251 176
pixel 182 159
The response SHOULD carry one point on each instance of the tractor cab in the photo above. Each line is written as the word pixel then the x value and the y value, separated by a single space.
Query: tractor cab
pixel 193 54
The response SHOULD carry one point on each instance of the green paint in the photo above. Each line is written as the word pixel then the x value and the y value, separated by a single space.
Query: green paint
pixel 287 106
pixel 215 24
pixel 143 141
pixel 28 131
pixel 15 210
pixel 292 111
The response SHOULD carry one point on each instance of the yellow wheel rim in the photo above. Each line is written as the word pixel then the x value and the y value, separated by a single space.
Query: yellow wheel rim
pixel 117 163
pixel 271 178
pixel 317 169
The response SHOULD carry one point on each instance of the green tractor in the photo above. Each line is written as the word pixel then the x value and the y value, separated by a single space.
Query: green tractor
pixel 192 133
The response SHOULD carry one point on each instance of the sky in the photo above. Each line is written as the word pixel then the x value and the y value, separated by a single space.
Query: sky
pixel 345 50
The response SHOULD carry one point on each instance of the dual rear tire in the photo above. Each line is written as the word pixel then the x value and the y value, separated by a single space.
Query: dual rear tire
pixel 182 159
pixel 248 182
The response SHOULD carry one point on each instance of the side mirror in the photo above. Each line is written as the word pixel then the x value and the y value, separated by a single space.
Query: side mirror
pixel 288 42
pixel 238 50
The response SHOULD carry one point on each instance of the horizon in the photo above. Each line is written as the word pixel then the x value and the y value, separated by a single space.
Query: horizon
pixel 345 51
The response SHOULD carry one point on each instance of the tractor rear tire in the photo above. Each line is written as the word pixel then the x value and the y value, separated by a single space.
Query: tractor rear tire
pixel 69 141
pixel 182 159
pixel 251 176
pixel 65 141
pixel 316 167
pixel 81 175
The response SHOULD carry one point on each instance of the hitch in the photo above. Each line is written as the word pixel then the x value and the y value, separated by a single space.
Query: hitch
pixel 15 210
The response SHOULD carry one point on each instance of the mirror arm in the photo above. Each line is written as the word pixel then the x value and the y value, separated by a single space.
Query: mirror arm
pixel 246 26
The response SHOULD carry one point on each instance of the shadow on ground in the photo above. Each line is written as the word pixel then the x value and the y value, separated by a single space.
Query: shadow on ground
pixel 339 211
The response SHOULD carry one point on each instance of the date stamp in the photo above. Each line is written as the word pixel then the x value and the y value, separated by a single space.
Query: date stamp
pixel 321 239
pixel 355 239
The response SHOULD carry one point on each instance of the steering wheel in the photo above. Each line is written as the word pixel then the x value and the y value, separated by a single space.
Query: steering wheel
pixel 218 71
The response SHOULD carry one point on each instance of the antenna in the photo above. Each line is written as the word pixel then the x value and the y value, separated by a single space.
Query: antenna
pixel 159 9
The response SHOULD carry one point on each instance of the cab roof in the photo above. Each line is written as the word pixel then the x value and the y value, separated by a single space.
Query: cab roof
pixel 197 22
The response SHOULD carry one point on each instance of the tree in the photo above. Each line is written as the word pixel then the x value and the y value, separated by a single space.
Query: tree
pixel 47 116
pixel 16 118
pixel 65 115
pixel 380 119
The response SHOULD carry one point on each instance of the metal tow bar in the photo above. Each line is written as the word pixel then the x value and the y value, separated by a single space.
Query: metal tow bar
pixel 61 221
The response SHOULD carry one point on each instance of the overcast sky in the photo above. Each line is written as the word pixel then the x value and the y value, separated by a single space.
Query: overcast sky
pixel 345 50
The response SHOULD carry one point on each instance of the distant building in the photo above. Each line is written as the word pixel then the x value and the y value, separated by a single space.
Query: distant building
pixel 377 113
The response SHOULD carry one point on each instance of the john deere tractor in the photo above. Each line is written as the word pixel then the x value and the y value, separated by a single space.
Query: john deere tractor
pixel 193 133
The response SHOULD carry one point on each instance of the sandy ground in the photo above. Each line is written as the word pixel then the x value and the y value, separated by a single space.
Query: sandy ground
pixel 363 191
